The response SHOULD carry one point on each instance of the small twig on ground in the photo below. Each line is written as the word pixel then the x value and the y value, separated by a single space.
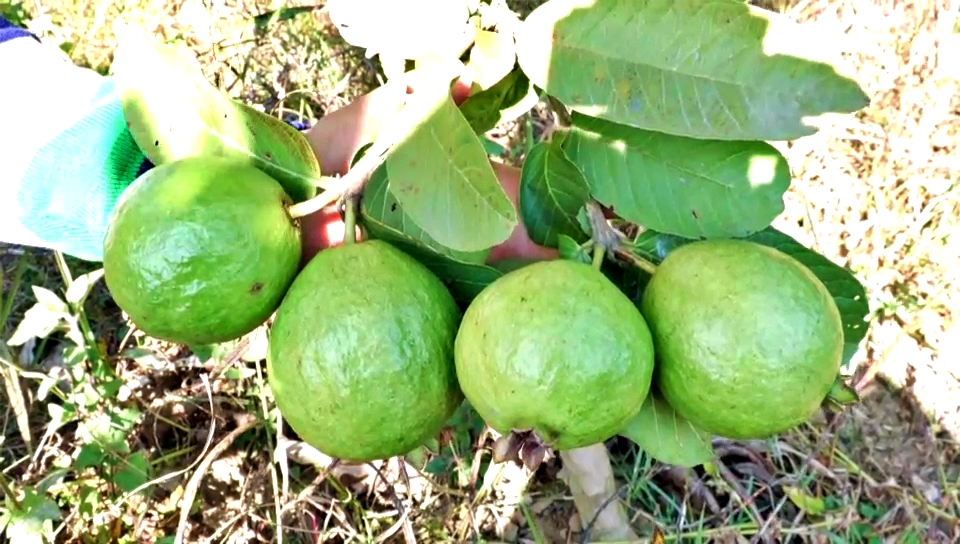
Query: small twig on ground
pixel 404 521
pixel 206 447
pixel 745 500
pixel 821 442
pixel 279 493
pixel 8 492
pixel 588 528
pixel 190 491
pixel 723 447
pixel 684 478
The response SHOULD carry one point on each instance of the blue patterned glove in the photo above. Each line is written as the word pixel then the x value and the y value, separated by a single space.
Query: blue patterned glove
pixel 65 152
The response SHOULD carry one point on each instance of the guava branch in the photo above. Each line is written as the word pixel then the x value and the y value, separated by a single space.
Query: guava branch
pixel 602 233
pixel 351 184
pixel 637 261
pixel 610 239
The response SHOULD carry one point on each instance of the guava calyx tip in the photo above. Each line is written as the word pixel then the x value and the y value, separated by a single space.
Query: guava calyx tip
pixel 507 448
pixel 533 454
pixel 522 447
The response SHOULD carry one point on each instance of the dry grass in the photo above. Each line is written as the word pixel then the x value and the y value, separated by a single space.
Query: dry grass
pixel 878 194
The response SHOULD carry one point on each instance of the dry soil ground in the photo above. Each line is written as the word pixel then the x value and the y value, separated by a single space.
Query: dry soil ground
pixel 878 194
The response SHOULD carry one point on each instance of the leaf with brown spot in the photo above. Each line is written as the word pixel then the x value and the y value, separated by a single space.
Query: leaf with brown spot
pixel 453 193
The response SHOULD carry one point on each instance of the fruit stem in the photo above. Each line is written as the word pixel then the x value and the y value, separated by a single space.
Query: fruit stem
pixel 637 261
pixel 598 252
pixel 564 120
pixel 350 184
pixel 350 220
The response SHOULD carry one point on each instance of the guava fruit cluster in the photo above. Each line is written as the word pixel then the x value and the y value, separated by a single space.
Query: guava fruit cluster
pixel 369 354
pixel 360 357
pixel 740 339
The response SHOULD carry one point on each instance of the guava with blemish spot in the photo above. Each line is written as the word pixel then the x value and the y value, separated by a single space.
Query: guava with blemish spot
pixel 201 250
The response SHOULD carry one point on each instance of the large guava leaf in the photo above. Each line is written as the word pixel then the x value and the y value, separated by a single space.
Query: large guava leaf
pixel 717 70
pixel 380 207
pixel 679 185
pixel 439 172
pixel 173 112
pixel 666 436
pixel 382 217
pixel 552 193
pixel 503 101
pixel 847 291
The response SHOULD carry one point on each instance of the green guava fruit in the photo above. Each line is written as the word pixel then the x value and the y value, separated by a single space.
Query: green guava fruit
pixel 555 347
pixel 360 357
pixel 200 250
pixel 748 340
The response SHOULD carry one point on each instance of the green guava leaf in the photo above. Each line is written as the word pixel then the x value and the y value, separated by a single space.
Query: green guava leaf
pixel 90 455
pixel 382 217
pixel 847 291
pixel 134 472
pixel 678 185
pixel 666 436
pixel 552 192
pixel 720 70
pixel 808 503
pixel 380 210
pixel 655 246
pixel 504 101
pixel 464 280
pixel 569 249
pixel 30 521
pixel 841 395
pixel 39 321
pixel 173 112
pixel 49 299
pixel 439 172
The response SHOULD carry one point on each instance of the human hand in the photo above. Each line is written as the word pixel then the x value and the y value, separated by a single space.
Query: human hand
pixel 338 136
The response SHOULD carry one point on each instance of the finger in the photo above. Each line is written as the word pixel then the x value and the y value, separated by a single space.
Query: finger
pixel 322 230
pixel 325 228
pixel 339 135
pixel 519 245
